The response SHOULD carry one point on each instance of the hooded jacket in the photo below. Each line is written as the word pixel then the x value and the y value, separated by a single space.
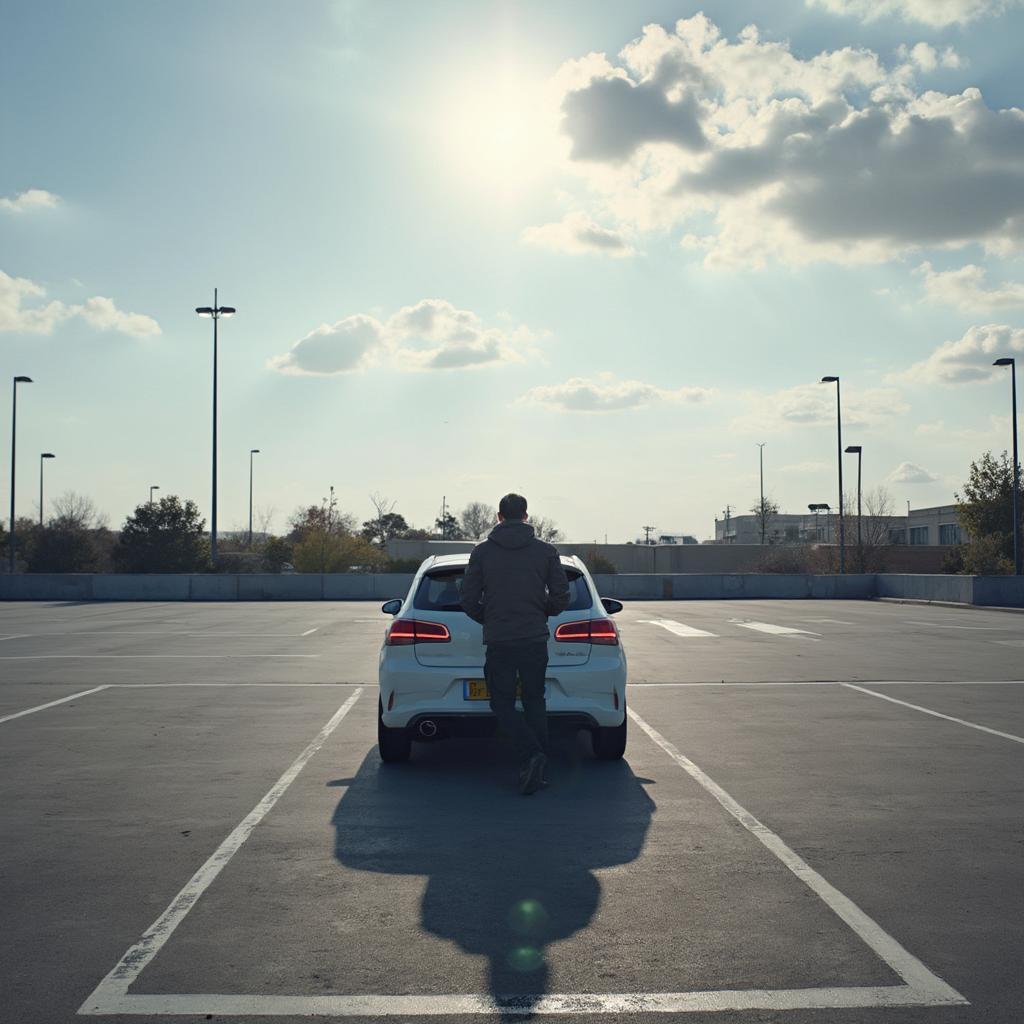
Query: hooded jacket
pixel 513 582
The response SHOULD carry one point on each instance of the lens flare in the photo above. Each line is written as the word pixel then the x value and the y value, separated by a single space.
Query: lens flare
pixel 525 958
pixel 528 918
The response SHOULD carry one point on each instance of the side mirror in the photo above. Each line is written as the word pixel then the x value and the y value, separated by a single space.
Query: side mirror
pixel 392 607
pixel 611 606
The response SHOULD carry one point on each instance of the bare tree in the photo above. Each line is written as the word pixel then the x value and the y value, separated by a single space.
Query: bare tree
pixel 765 511
pixel 79 510
pixel 265 516
pixel 546 529
pixel 476 519
pixel 877 520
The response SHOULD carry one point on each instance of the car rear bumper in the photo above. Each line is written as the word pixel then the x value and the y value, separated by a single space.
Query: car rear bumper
pixel 589 696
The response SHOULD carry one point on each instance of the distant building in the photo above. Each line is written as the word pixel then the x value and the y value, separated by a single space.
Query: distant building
pixel 935 526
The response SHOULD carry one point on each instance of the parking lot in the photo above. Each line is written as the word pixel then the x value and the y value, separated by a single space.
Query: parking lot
pixel 819 818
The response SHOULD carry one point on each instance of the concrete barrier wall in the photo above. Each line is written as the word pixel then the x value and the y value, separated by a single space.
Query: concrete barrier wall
pixel 959 589
pixel 1003 591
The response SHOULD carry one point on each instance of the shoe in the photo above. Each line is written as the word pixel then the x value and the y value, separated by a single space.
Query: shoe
pixel 532 777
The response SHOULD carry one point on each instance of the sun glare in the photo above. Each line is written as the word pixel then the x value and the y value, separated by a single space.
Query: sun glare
pixel 498 128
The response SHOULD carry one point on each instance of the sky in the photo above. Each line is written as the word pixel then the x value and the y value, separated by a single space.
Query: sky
pixel 591 252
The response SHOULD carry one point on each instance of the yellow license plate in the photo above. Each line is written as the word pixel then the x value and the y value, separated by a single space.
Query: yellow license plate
pixel 475 689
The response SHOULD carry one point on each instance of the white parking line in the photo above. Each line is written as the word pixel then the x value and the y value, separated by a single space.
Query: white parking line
pixel 936 714
pixel 928 986
pixel 679 628
pixel 51 704
pixel 949 625
pixel 921 987
pixel 767 627
pixel 152 632
pixel 309 631
pixel 114 987
pixel 14 636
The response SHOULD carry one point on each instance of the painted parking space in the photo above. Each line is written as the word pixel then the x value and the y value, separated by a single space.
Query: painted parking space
pixel 363 890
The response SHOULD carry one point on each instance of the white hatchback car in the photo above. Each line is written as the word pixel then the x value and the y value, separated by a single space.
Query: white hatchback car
pixel 432 664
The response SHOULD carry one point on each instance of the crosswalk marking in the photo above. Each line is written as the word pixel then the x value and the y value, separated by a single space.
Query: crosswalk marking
pixel 768 627
pixel 679 628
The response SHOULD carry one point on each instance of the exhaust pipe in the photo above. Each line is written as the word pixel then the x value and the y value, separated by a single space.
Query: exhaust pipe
pixel 428 729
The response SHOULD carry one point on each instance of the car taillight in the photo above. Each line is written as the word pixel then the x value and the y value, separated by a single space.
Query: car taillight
pixel 588 631
pixel 413 631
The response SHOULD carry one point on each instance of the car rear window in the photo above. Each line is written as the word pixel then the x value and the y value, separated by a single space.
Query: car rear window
pixel 441 589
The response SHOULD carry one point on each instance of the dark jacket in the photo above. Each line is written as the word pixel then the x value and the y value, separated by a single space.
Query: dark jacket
pixel 513 583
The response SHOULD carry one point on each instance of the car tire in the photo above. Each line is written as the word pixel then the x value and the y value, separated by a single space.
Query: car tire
pixel 394 745
pixel 609 743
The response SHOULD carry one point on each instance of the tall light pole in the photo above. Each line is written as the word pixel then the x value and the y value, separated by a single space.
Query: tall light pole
pixel 1012 364
pixel 152 488
pixel 856 449
pixel 14 452
pixel 760 458
pixel 252 452
pixel 839 434
pixel 214 312
pixel 44 455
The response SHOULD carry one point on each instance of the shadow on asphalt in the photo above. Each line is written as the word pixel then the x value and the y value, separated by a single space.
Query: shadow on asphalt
pixel 507 875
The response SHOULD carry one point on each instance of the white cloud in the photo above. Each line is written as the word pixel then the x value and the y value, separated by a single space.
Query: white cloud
pixel 965 288
pixel 911 473
pixel 430 335
pixel 758 154
pixel 605 394
pixel 30 199
pixel 104 315
pixel 814 405
pixel 969 358
pixel 575 233
pixel 98 311
pixel 936 13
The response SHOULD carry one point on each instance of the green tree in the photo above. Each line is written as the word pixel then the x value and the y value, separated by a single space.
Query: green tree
pixel 320 551
pixel 985 510
pixel 165 536
pixel 276 551
pixel 447 527
pixel 382 528
pixel 62 545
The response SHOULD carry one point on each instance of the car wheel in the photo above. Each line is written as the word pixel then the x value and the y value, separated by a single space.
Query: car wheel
pixel 394 745
pixel 609 743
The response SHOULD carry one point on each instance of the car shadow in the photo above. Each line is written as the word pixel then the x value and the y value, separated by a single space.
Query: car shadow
pixel 507 875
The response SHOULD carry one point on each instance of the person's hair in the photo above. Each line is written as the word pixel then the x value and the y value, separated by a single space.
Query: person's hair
pixel 512 506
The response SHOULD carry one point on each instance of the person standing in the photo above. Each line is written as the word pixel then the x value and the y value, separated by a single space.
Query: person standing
pixel 513 582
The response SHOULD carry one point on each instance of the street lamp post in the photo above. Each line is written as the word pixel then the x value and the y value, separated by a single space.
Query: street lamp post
pixel 1012 364
pixel 42 457
pixel 252 452
pixel 214 312
pixel 856 449
pixel 839 434
pixel 152 488
pixel 817 507
pixel 760 458
pixel 14 450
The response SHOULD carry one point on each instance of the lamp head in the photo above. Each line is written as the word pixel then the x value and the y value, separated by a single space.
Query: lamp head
pixel 254 451
pixel 829 380
pixel 22 380
pixel 206 311
pixel 226 311
pixel 854 449
pixel 47 455
pixel 1006 361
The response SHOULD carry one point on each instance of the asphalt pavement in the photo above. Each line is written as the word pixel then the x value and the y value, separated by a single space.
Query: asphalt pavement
pixel 818 819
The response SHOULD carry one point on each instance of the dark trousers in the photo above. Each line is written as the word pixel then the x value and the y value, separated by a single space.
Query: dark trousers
pixel 506 666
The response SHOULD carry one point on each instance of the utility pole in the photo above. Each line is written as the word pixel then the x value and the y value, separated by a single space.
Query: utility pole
pixel 647 533
pixel 444 517
pixel 725 536
pixel 760 456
